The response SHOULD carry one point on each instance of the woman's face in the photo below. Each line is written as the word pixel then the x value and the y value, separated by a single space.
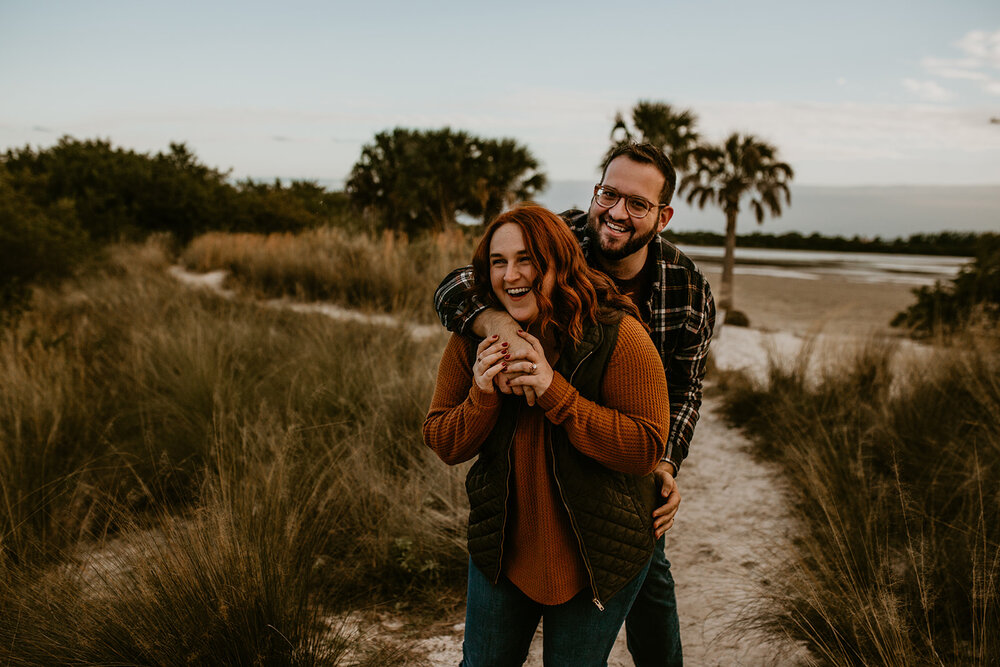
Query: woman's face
pixel 512 273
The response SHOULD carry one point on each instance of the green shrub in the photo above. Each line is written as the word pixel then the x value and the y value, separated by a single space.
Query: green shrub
pixel 120 194
pixel 972 296
pixel 37 244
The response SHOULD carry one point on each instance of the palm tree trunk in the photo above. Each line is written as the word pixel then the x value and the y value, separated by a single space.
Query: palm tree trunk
pixel 728 261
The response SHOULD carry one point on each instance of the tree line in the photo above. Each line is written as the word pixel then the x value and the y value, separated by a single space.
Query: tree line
pixel 957 244
pixel 60 204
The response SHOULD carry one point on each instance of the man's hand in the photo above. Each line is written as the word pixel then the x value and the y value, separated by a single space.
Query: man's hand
pixel 499 323
pixel 663 516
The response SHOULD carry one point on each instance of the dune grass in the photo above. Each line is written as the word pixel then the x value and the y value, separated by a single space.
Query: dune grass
pixel 387 273
pixel 186 476
pixel 896 470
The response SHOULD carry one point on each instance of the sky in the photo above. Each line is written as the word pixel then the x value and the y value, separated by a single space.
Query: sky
pixel 857 93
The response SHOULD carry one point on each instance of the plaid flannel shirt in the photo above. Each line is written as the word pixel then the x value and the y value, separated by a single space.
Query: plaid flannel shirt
pixel 682 316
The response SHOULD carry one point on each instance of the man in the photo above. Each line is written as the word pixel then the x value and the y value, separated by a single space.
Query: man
pixel 620 235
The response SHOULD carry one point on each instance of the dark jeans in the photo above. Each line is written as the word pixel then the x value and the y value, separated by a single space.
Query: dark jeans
pixel 652 628
pixel 501 620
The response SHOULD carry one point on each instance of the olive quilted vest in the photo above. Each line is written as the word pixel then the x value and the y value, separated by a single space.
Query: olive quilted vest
pixel 610 511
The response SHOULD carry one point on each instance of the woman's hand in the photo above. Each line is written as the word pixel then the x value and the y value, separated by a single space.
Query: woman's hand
pixel 490 360
pixel 535 368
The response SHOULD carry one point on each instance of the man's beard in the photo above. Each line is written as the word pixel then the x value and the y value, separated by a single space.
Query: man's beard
pixel 630 247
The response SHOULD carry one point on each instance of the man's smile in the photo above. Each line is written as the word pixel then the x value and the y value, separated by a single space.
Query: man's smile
pixel 616 227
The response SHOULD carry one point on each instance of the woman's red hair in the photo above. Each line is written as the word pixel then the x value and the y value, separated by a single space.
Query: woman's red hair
pixel 580 295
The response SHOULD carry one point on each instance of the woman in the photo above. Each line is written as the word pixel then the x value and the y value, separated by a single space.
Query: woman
pixel 560 497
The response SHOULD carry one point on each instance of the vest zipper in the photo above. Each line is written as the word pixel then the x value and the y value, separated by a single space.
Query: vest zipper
pixel 576 532
pixel 572 519
pixel 506 496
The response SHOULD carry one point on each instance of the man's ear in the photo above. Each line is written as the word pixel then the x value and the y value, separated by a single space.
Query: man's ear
pixel 665 214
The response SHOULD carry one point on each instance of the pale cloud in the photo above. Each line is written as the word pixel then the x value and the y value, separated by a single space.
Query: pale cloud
pixel 981 51
pixel 983 46
pixel 929 91
pixel 852 143
pixel 964 68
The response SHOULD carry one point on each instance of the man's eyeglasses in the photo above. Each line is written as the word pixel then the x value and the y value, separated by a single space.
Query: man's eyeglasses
pixel 635 205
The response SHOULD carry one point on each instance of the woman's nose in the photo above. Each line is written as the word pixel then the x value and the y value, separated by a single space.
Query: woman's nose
pixel 512 273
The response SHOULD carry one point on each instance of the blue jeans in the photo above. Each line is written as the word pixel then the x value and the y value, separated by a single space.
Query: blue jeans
pixel 652 628
pixel 500 621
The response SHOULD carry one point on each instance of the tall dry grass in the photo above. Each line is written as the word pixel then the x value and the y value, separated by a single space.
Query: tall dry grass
pixel 244 467
pixel 896 469
pixel 378 273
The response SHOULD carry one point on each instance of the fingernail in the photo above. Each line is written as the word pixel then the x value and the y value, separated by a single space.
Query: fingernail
pixel 503 365
pixel 520 331
pixel 503 344
pixel 506 357
pixel 494 337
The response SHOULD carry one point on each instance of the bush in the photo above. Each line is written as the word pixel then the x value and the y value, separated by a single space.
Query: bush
pixel 37 244
pixel 973 295
pixel 119 194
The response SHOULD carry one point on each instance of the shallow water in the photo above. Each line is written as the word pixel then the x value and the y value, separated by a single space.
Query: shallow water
pixel 858 267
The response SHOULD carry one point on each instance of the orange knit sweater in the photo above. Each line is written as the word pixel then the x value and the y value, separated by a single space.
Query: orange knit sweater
pixel 625 432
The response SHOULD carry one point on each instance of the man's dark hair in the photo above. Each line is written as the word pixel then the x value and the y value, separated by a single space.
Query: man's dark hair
pixel 647 154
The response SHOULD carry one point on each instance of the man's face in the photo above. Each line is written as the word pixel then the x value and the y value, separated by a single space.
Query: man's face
pixel 615 232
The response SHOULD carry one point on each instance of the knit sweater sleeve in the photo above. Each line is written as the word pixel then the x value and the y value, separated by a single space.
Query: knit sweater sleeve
pixel 627 431
pixel 461 415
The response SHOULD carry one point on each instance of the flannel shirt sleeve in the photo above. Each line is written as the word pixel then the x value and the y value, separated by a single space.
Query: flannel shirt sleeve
pixel 452 303
pixel 685 374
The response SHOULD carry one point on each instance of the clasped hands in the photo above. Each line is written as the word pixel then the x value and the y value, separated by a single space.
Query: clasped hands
pixel 518 366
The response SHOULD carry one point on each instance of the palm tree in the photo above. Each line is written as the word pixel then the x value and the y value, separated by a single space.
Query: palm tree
pixel 658 123
pixel 743 166
pixel 505 173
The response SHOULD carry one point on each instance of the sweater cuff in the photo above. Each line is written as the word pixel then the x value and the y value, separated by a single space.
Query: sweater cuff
pixel 483 400
pixel 557 395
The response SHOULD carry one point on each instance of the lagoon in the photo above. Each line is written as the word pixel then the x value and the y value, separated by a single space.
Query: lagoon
pixel 858 267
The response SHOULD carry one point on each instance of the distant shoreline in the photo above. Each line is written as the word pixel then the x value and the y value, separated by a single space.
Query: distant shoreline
pixel 889 212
